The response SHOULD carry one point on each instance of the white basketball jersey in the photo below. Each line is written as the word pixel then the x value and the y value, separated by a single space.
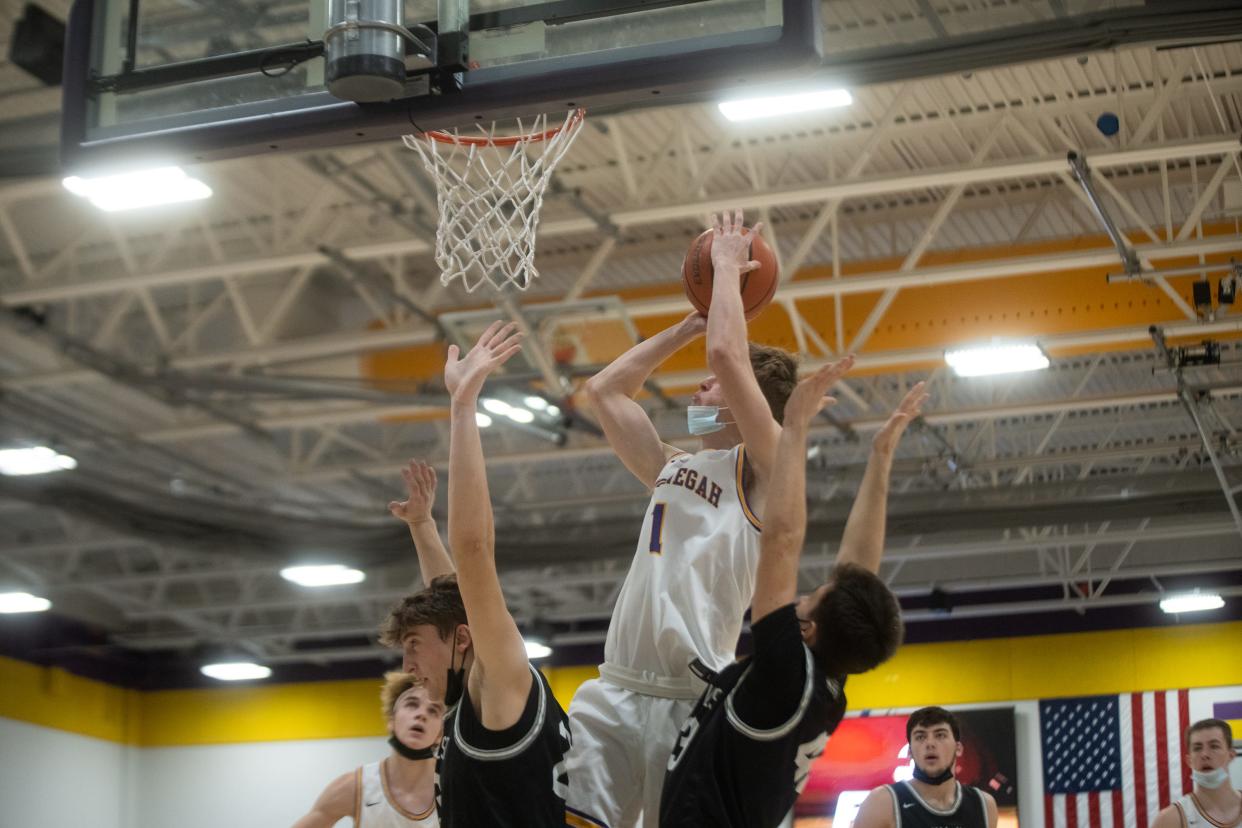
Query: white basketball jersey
pixel 693 574
pixel 375 808
pixel 1192 817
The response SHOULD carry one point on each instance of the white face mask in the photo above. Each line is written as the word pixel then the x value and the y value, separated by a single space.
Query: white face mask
pixel 701 419
pixel 1212 779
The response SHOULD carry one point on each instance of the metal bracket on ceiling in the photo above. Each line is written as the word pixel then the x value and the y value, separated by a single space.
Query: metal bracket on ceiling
pixel 1081 173
pixel 1197 402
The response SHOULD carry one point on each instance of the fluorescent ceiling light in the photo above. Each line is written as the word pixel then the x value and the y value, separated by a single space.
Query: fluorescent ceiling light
pixel 521 415
pixel 1192 602
pixel 536 648
pixel 141 188
pixel 553 411
pixel 482 419
pixel 496 406
pixel 322 575
pixel 996 358
pixel 536 403
pixel 749 109
pixel 235 671
pixel 36 460
pixel 15 602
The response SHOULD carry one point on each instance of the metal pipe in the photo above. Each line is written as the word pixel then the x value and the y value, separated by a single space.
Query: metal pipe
pixel 1078 169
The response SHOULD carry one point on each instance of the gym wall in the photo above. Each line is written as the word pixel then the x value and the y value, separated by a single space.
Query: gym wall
pixel 76 752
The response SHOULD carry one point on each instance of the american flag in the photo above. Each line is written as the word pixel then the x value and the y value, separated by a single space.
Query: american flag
pixel 1113 761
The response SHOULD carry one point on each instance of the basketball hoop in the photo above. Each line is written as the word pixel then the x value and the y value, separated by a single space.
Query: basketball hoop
pixel 489 189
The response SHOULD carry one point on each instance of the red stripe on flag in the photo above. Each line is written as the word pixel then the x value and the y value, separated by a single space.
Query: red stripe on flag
pixel 1119 810
pixel 1050 820
pixel 1183 719
pixel 1162 749
pixel 1140 768
pixel 1093 809
pixel 1071 811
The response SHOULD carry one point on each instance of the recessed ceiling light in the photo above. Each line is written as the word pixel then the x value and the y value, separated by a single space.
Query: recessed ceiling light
pixel 482 419
pixel 520 415
pixel 536 403
pixel 17 602
pixel 496 406
pixel 235 671
pixel 322 575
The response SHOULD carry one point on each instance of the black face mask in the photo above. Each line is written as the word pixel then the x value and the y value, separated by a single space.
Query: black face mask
pixel 933 780
pixel 455 683
pixel 410 753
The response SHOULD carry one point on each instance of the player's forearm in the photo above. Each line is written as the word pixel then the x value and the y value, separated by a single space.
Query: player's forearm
pixel 470 525
pixel 727 347
pixel 863 541
pixel 626 375
pixel 433 558
pixel 785 510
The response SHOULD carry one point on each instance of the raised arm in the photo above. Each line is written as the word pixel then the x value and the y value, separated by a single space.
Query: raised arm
pixel 629 430
pixel 784 524
pixel 415 512
pixel 335 803
pixel 728 350
pixel 499 652
pixel 863 541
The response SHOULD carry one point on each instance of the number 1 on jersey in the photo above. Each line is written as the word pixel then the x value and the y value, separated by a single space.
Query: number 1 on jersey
pixel 657 529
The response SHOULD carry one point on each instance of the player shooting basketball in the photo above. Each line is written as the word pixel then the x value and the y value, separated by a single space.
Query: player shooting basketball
pixel 744 754
pixel 505 735
pixel 692 575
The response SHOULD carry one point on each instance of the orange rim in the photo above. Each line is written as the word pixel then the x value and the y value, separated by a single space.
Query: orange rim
pixel 504 140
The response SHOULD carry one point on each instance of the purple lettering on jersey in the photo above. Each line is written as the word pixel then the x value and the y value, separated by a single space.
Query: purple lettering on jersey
pixel 714 497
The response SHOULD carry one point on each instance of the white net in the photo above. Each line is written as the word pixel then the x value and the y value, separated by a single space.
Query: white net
pixel 488 191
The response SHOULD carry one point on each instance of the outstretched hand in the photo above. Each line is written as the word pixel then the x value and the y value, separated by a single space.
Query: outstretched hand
pixel 809 397
pixel 464 376
pixel 420 489
pixel 889 435
pixel 731 242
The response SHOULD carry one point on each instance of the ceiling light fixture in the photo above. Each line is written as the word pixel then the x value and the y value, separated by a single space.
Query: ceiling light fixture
pixel 141 188
pixel 536 648
pixel 323 575
pixel 1192 602
pixel 482 419
pixel 996 358
pixel 12 603
pixel 235 671
pixel 769 106
pixel 35 460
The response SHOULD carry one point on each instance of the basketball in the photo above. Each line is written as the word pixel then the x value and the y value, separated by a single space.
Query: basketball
pixel 758 286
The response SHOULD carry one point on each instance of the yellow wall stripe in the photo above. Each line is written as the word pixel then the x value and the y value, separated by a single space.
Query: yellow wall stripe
pixel 1003 669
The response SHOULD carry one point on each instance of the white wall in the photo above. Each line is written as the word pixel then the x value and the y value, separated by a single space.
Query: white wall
pixel 55 779
pixel 252 785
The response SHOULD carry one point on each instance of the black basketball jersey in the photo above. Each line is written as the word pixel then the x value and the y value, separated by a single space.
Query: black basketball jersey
pixel 512 778
pixel 971 811
pixel 727 771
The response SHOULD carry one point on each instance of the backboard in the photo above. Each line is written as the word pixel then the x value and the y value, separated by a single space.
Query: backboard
pixel 180 81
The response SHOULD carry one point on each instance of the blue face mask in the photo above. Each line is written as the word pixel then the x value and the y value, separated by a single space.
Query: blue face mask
pixel 701 419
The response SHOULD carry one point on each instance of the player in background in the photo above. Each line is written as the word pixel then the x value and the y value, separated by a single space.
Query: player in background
pixel 744 754
pixel 693 571
pixel 398 791
pixel 933 798
pixel 1212 802
pixel 505 735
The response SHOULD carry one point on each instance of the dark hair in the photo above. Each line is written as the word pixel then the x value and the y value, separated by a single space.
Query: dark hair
pixel 777 373
pixel 858 622
pixel 928 716
pixel 439 604
pixel 1208 724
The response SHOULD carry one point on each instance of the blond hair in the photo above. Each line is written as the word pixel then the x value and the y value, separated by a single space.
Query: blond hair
pixel 396 683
